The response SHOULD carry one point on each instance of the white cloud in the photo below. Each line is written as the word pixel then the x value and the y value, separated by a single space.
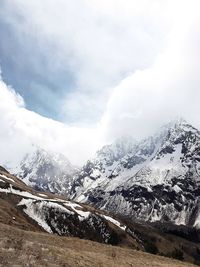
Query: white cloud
pixel 169 89
pixel 20 128
pixel 101 42
pixel 163 81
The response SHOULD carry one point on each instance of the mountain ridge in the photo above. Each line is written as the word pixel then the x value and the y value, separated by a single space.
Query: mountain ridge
pixel 155 179
pixel 158 180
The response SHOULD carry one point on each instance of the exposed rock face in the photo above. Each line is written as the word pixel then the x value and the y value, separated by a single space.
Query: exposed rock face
pixel 157 179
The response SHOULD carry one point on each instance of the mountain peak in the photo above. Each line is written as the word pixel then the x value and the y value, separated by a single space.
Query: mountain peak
pixel 157 179
pixel 39 155
pixel 117 149
pixel 46 170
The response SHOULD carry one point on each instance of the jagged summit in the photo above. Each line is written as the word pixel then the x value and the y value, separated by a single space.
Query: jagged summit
pixel 117 150
pixel 46 171
pixel 157 180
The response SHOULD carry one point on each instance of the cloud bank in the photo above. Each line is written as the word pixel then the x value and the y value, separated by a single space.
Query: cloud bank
pixel 73 52
pixel 151 93
pixel 169 89
pixel 21 128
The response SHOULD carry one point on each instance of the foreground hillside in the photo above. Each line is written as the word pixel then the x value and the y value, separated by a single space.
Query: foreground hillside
pixel 27 248
pixel 28 209
pixel 23 208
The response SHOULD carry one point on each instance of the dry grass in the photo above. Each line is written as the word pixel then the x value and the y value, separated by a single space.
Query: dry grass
pixel 27 248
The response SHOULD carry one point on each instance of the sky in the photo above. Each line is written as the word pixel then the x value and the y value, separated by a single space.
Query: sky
pixel 78 74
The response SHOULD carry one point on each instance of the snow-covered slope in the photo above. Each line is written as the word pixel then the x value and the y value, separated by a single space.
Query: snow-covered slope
pixel 157 179
pixel 46 171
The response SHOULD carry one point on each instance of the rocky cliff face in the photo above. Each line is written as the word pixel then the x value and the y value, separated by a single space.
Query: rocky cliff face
pixel 157 179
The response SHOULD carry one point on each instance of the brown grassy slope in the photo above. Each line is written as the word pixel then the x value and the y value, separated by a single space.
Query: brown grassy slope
pixel 13 215
pixel 183 247
pixel 27 248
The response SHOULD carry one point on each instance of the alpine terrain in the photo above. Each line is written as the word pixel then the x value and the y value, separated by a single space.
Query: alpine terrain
pixel 45 171
pixel 42 229
pixel 156 179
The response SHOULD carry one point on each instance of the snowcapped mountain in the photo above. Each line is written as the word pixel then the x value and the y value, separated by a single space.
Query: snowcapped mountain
pixel 156 179
pixel 46 171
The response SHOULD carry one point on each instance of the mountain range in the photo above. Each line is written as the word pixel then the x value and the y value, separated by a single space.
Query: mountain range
pixel 154 179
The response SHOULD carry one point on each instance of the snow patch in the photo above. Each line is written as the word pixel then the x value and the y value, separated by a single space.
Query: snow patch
pixel 37 216
pixel 7 178
pixel 10 190
pixel 82 214
pixel 177 189
pixel 115 222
